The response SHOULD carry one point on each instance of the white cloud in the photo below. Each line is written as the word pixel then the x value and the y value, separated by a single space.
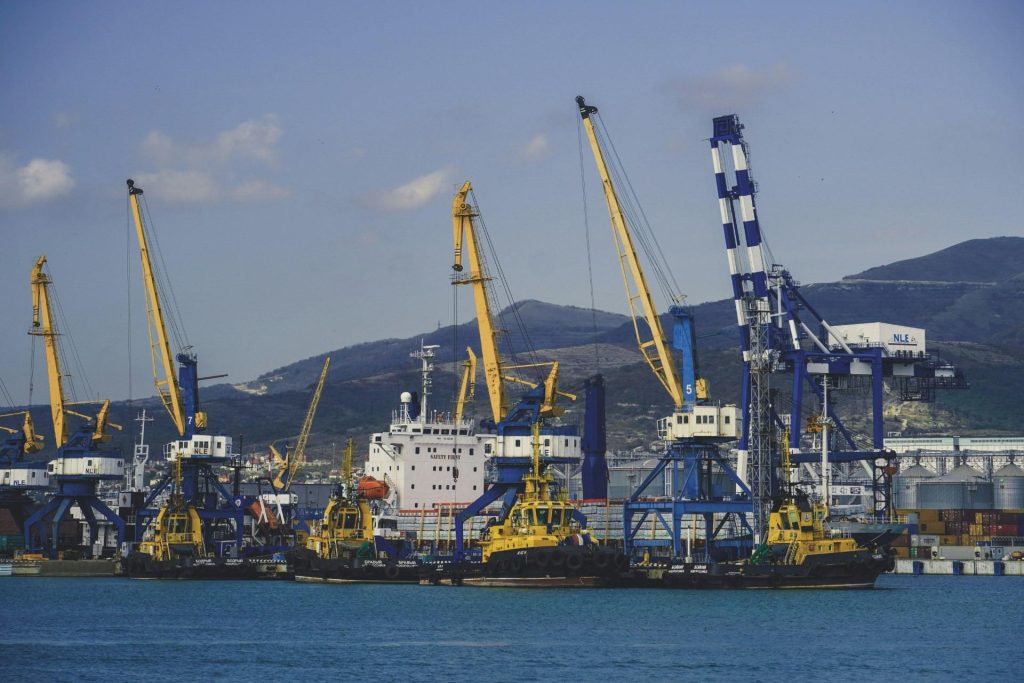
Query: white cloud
pixel 186 172
pixel 63 119
pixel 412 194
pixel 255 139
pixel 257 190
pixel 536 149
pixel 187 187
pixel 737 85
pixel 37 181
pixel 197 187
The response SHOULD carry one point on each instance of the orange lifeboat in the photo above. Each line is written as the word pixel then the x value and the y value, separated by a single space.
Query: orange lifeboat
pixel 373 489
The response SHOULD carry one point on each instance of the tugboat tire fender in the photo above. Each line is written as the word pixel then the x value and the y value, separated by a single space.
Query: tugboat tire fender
pixel 391 572
pixel 573 562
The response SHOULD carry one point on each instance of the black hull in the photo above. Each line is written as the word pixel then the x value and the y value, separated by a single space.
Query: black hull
pixel 601 566
pixel 559 561
pixel 826 571
pixel 357 570
pixel 142 566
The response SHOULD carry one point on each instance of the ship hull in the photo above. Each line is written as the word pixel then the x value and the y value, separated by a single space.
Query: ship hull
pixel 356 570
pixel 142 566
pixel 839 570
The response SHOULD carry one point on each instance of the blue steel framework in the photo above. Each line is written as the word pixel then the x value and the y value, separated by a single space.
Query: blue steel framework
pixel 780 331
pixel 504 476
pixel 691 464
pixel 74 489
pixel 691 461
pixel 200 486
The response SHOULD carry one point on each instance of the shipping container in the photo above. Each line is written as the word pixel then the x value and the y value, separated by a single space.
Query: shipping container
pixel 933 528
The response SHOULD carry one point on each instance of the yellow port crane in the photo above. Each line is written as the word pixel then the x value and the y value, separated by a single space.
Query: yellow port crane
pixel 653 347
pixel 159 345
pixel 495 369
pixel 288 465
pixel 463 214
pixel 43 326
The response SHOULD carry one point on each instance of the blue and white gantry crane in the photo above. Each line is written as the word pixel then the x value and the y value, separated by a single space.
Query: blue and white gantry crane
pixel 781 332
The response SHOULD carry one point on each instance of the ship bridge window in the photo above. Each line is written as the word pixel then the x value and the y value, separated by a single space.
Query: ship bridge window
pixel 471 451
pixel 444 431
pixel 487 448
pixel 542 516
pixel 517 443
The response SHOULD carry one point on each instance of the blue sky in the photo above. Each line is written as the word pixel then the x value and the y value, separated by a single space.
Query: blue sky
pixel 299 159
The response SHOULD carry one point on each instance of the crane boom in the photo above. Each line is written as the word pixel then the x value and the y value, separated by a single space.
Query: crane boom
pixel 463 229
pixel 291 464
pixel 42 325
pixel 31 442
pixel 467 386
pixel 159 345
pixel 654 350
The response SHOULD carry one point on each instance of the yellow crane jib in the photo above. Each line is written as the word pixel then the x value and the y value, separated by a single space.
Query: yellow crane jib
pixel 655 349
pixel 100 421
pixel 32 441
pixel 463 230
pixel 159 344
pixel 291 462
pixel 551 392
pixel 467 386
pixel 42 326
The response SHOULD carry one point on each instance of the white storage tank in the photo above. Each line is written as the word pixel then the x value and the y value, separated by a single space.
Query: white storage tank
pixel 905 485
pixel 963 488
pixel 1008 485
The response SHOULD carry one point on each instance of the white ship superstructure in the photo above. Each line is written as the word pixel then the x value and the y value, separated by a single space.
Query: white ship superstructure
pixel 426 457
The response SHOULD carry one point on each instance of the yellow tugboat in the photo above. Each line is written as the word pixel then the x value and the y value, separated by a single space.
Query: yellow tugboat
pixel 801 550
pixel 542 540
pixel 344 547
pixel 173 547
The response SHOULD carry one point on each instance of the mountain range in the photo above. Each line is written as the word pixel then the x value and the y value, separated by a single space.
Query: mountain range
pixel 969 297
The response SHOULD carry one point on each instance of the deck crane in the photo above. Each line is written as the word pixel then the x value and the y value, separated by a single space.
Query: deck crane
pixel 781 332
pixel 18 475
pixel 289 464
pixel 193 455
pixel 696 427
pixel 82 461
pixel 512 422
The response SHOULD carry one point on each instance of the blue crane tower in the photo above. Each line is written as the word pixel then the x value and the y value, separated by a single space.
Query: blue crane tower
pixel 82 462
pixel 194 456
pixel 782 333
pixel 705 489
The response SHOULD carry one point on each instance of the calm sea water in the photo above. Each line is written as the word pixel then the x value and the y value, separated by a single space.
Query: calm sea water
pixel 924 628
